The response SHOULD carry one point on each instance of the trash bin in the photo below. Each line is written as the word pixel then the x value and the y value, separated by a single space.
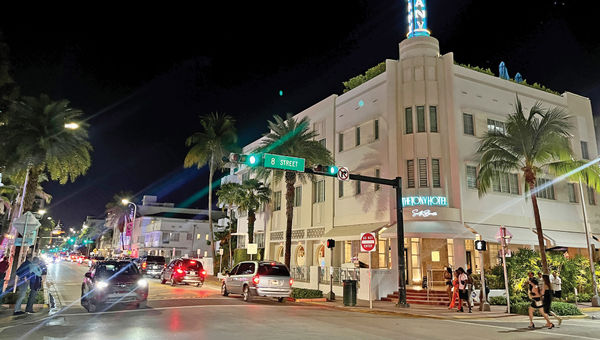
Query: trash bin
pixel 349 292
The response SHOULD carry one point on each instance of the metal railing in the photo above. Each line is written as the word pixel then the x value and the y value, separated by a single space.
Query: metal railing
pixel 300 273
pixel 431 276
pixel 339 274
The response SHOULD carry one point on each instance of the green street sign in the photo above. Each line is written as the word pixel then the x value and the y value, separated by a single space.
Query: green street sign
pixel 284 162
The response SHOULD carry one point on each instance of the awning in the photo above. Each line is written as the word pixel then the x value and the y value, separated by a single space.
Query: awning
pixel 568 239
pixel 520 235
pixel 430 229
pixel 352 232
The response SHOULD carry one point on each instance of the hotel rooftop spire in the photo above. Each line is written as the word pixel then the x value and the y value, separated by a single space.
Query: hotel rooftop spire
pixel 417 19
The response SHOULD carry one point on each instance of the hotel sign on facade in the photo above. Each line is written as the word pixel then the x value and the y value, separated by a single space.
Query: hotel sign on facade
pixel 417 18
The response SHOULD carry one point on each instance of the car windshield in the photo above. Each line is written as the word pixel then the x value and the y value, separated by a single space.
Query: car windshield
pixel 192 264
pixel 155 259
pixel 118 268
pixel 273 270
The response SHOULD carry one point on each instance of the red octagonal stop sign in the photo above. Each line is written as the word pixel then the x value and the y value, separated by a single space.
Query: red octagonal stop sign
pixel 368 241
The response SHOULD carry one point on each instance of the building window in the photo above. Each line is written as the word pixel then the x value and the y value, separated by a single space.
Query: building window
pixel 433 126
pixel 340 188
pixel 408 120
pixel 471 177
pixel 591 196
pixel 572 197
pixel 420 118
pixel 357 190
pixel 277 200
pixel 357 135
pixel 198 236
pixel 435 173
pixel 422 172
pixel 468 124
pixel 410 173
pixel 297 196
pixel 376 129
pixel 165 237
pixel 206 237
pixel 189 236
pixel 545 190
pixel 174 237
pixel 382 253
pixel 341 142
pixel 415 259
pixel 323 141
pixel 450 245
pixel 319 191
pixel 496 127
pixel 584 150
pixel 377 175
pixel 505 182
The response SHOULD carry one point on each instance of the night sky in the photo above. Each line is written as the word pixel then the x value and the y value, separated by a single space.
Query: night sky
pixel 144 75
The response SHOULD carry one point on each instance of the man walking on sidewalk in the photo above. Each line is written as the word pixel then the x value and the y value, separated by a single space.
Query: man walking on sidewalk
pixel 35 283
pixel 23 274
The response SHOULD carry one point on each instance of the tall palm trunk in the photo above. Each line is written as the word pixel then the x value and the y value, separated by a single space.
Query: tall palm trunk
pixel 290 180
pixel 251 220
pixel 32 184
pixel 530 179
pixel 211 173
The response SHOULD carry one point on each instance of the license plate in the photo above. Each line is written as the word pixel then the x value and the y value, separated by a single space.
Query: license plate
pixel 192 273
pixel 275 283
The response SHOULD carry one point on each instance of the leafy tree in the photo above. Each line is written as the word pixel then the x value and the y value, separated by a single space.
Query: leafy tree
pixel 291 137
pixel 215 140
pixel 35 140
pixel 534 144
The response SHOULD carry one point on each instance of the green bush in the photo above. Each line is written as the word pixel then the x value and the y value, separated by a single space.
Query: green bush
pixel 520 308
pixel 301 293
pixel 240 255
pixel 359 79
pixel 11 298
pixel 560 308
pixel 498 300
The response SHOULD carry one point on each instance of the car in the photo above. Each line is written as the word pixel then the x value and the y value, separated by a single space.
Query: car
pixel 182 270
pixel 94 259
pixel 81 259
pixel 258 278
pixel 152 265
pixel 112 282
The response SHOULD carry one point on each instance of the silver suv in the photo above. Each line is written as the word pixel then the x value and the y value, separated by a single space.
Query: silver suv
pixel 258 278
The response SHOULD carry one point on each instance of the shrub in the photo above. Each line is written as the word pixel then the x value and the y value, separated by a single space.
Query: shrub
pixel 498 300
pixel 560 308
pixel 301 293
pixel 11 298
pixel 359 79
pixel 520 308
pixel 240 255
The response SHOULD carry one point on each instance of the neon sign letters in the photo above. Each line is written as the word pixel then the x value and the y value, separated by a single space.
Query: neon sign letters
pixel 438 201
pixel 423 213
pixel 417 19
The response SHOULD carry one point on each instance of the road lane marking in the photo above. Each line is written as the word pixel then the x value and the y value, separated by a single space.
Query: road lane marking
pixel 566 336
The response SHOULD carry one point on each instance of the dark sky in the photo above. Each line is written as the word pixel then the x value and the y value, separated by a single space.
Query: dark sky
pixel 143 75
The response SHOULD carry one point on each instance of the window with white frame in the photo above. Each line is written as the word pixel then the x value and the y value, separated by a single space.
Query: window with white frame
pixel 435 173
pixel 572 196
pixel 495 126
pixel 319 191
pixel 357 137
pixel 468 124
pixel 420 118
pixel 584 150
pixel 433 121
pixel 408 120
pixel 471 177
pixel 341 142
pixel 423 173
pixel 544 188
pixel 277 200
pixel 505 182
pixel 410 173
pixel 297 196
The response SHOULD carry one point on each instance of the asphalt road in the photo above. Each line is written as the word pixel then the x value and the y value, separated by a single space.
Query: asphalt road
pixel 186 312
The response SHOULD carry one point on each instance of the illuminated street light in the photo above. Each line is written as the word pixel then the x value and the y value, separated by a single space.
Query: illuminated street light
pixel 42 212
pixel 71 126
pixel 125 201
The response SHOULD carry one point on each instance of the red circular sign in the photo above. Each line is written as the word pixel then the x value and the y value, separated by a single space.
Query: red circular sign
pixel 368 242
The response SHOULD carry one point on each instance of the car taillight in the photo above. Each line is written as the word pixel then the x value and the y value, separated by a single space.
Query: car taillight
pixel 291 282
pixel 203 272
pixel 180 271
pixel 255 280
pixel 144 265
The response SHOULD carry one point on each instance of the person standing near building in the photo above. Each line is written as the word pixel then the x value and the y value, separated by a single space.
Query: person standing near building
pixel 448 279
pixel 463 294
pixel 4 264
pixel 35 283
pixel 23 275
pixel 470 288
pixel 556 282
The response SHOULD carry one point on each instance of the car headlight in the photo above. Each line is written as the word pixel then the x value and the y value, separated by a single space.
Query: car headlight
pixel 102 284
pixel 143 283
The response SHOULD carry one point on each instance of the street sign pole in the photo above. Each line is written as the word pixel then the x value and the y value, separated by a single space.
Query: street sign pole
pixel 503 244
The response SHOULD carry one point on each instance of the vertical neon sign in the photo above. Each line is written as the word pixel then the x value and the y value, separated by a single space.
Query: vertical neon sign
pixel 417 19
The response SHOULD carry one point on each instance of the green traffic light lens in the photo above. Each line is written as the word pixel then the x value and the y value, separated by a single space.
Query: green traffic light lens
pixel 333 170
pixel 252 159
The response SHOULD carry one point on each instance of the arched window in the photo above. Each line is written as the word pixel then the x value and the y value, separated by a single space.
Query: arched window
pixel 300 256
pixel 319 259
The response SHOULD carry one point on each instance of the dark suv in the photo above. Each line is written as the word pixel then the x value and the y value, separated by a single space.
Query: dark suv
pixel 184 271
pixel 111 282
pixel 152 265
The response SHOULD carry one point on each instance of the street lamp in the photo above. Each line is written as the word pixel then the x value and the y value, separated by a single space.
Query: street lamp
pixel 72 126
pixel 125 201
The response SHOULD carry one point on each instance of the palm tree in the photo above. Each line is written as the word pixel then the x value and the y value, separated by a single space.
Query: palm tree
pixel 34 140
pixel 291 137
pixel 535 143
pixel 248 196
pixel 117 212
pixel 215 140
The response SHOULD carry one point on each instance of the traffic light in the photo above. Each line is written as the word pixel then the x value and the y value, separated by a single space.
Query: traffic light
pixel 330 243
pixel 253 159
pixel 72 240
pixel 480 245
pixel 326 170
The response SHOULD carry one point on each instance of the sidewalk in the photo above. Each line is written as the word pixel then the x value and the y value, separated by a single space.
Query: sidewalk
pixel 436 312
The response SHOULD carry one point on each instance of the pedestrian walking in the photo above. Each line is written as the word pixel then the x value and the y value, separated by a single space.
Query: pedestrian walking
pixel 535 295
pixel 540 281
pixel 3 269
pixel 470 288
pixel 23 275
pixel 556 283
pixel 454 297
pixel 463 295
pixel 547 293
pixel 35 283
pixel 448 279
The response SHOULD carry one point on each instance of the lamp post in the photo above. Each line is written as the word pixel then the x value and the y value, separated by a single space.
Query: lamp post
pixel 127 202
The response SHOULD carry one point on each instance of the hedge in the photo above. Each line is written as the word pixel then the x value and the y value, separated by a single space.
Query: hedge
pixel 362 78
pixel 240 255
pixel 301 293
pixel 560 308
pixel 11 298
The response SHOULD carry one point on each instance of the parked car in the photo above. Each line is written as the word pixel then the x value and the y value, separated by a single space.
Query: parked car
pixel 111 282
pixel 152 265
pixel 258 278
pixel 188 271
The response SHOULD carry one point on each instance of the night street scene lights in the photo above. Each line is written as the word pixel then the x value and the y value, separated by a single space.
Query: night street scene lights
pixel 71 126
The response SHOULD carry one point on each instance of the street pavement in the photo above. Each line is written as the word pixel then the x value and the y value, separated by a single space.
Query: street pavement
pixel 187 312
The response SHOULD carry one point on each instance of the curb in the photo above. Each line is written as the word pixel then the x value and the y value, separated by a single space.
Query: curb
pixel 590 309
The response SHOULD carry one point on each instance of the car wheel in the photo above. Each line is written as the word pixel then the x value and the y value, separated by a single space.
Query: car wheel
pixel 280 299
pixel 172 281
pixel 246 294
pixel 224 291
